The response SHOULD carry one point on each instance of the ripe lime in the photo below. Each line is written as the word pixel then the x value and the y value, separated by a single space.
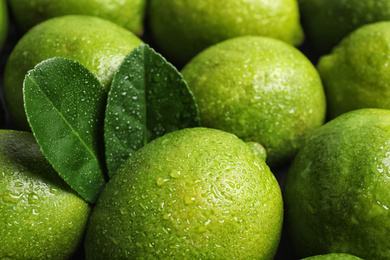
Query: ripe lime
pixel 327 22
pixel 357 73
pixel 41 217
pixel 196 193
pixel 182 28
pixel 334 256
pixel 337 191
pixel 260 89
pixel 98 44
pixel 126 13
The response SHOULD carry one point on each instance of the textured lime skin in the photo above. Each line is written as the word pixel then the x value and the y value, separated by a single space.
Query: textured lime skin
pixel 182 28
pixel 357 72
pixel 98 44
pixel 337 191
pixel 260 89
pixel 3 22
pixel 192 194
pixel 334 256
pixel 41 217
pixel 327 22
pixel 127 13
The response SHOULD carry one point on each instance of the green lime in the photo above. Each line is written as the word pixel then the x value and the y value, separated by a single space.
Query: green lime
pixel 127 13
pixel 196 193
pixel 327 22
pixel 333 256
pixel 41 217
pixel 182 28
pixel 98 44
pixel 357 72
pixel 3 22
pixel 260 89
pixel 337 190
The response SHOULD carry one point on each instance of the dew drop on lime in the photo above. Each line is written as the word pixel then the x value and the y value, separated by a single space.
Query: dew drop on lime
pixel 160 182
pixel 33 198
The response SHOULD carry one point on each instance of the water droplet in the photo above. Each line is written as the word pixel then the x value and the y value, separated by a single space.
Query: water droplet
pixel 33 198
pixel 19 184
pixel 175 174
pixel 35 212
pixel 156 77
pixel 13 197
pixel 160 182
pixel 159 63
pixel 189 200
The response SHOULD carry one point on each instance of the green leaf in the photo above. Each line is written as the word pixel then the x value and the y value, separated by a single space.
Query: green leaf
pixel 65 107
pixel 148 98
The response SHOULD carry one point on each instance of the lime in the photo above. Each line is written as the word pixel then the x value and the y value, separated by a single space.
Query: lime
pixel 334 256
pixel 3 22
pixel 182 28
pixel 337 191
pixel 127 13
pixel 41 217
pixel 196 193
pixel 98 44
pixel 327 22
pixel 357 72
pixel 260 89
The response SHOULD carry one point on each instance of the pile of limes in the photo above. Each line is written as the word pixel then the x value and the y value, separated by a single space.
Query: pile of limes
pixel 291 159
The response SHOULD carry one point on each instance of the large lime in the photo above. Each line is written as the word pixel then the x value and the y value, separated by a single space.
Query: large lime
pixel 337 191
pixel 99 45
pixel 182 28
pixel 41 217
pixel 192 194
pixel 261 89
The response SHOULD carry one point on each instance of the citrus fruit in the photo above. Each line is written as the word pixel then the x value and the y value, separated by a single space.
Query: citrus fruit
pixel 260 89
pixel 127 13
pixel 337 190
pixel 3 22
pixel 357 72
pixel 327 22
pixel 98 44
pixel 41 217
pixel 334 256
pixel 196 193
pixel 182 28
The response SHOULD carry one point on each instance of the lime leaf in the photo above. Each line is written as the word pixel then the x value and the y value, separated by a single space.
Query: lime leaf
pixel 65 105
pixel 148 98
